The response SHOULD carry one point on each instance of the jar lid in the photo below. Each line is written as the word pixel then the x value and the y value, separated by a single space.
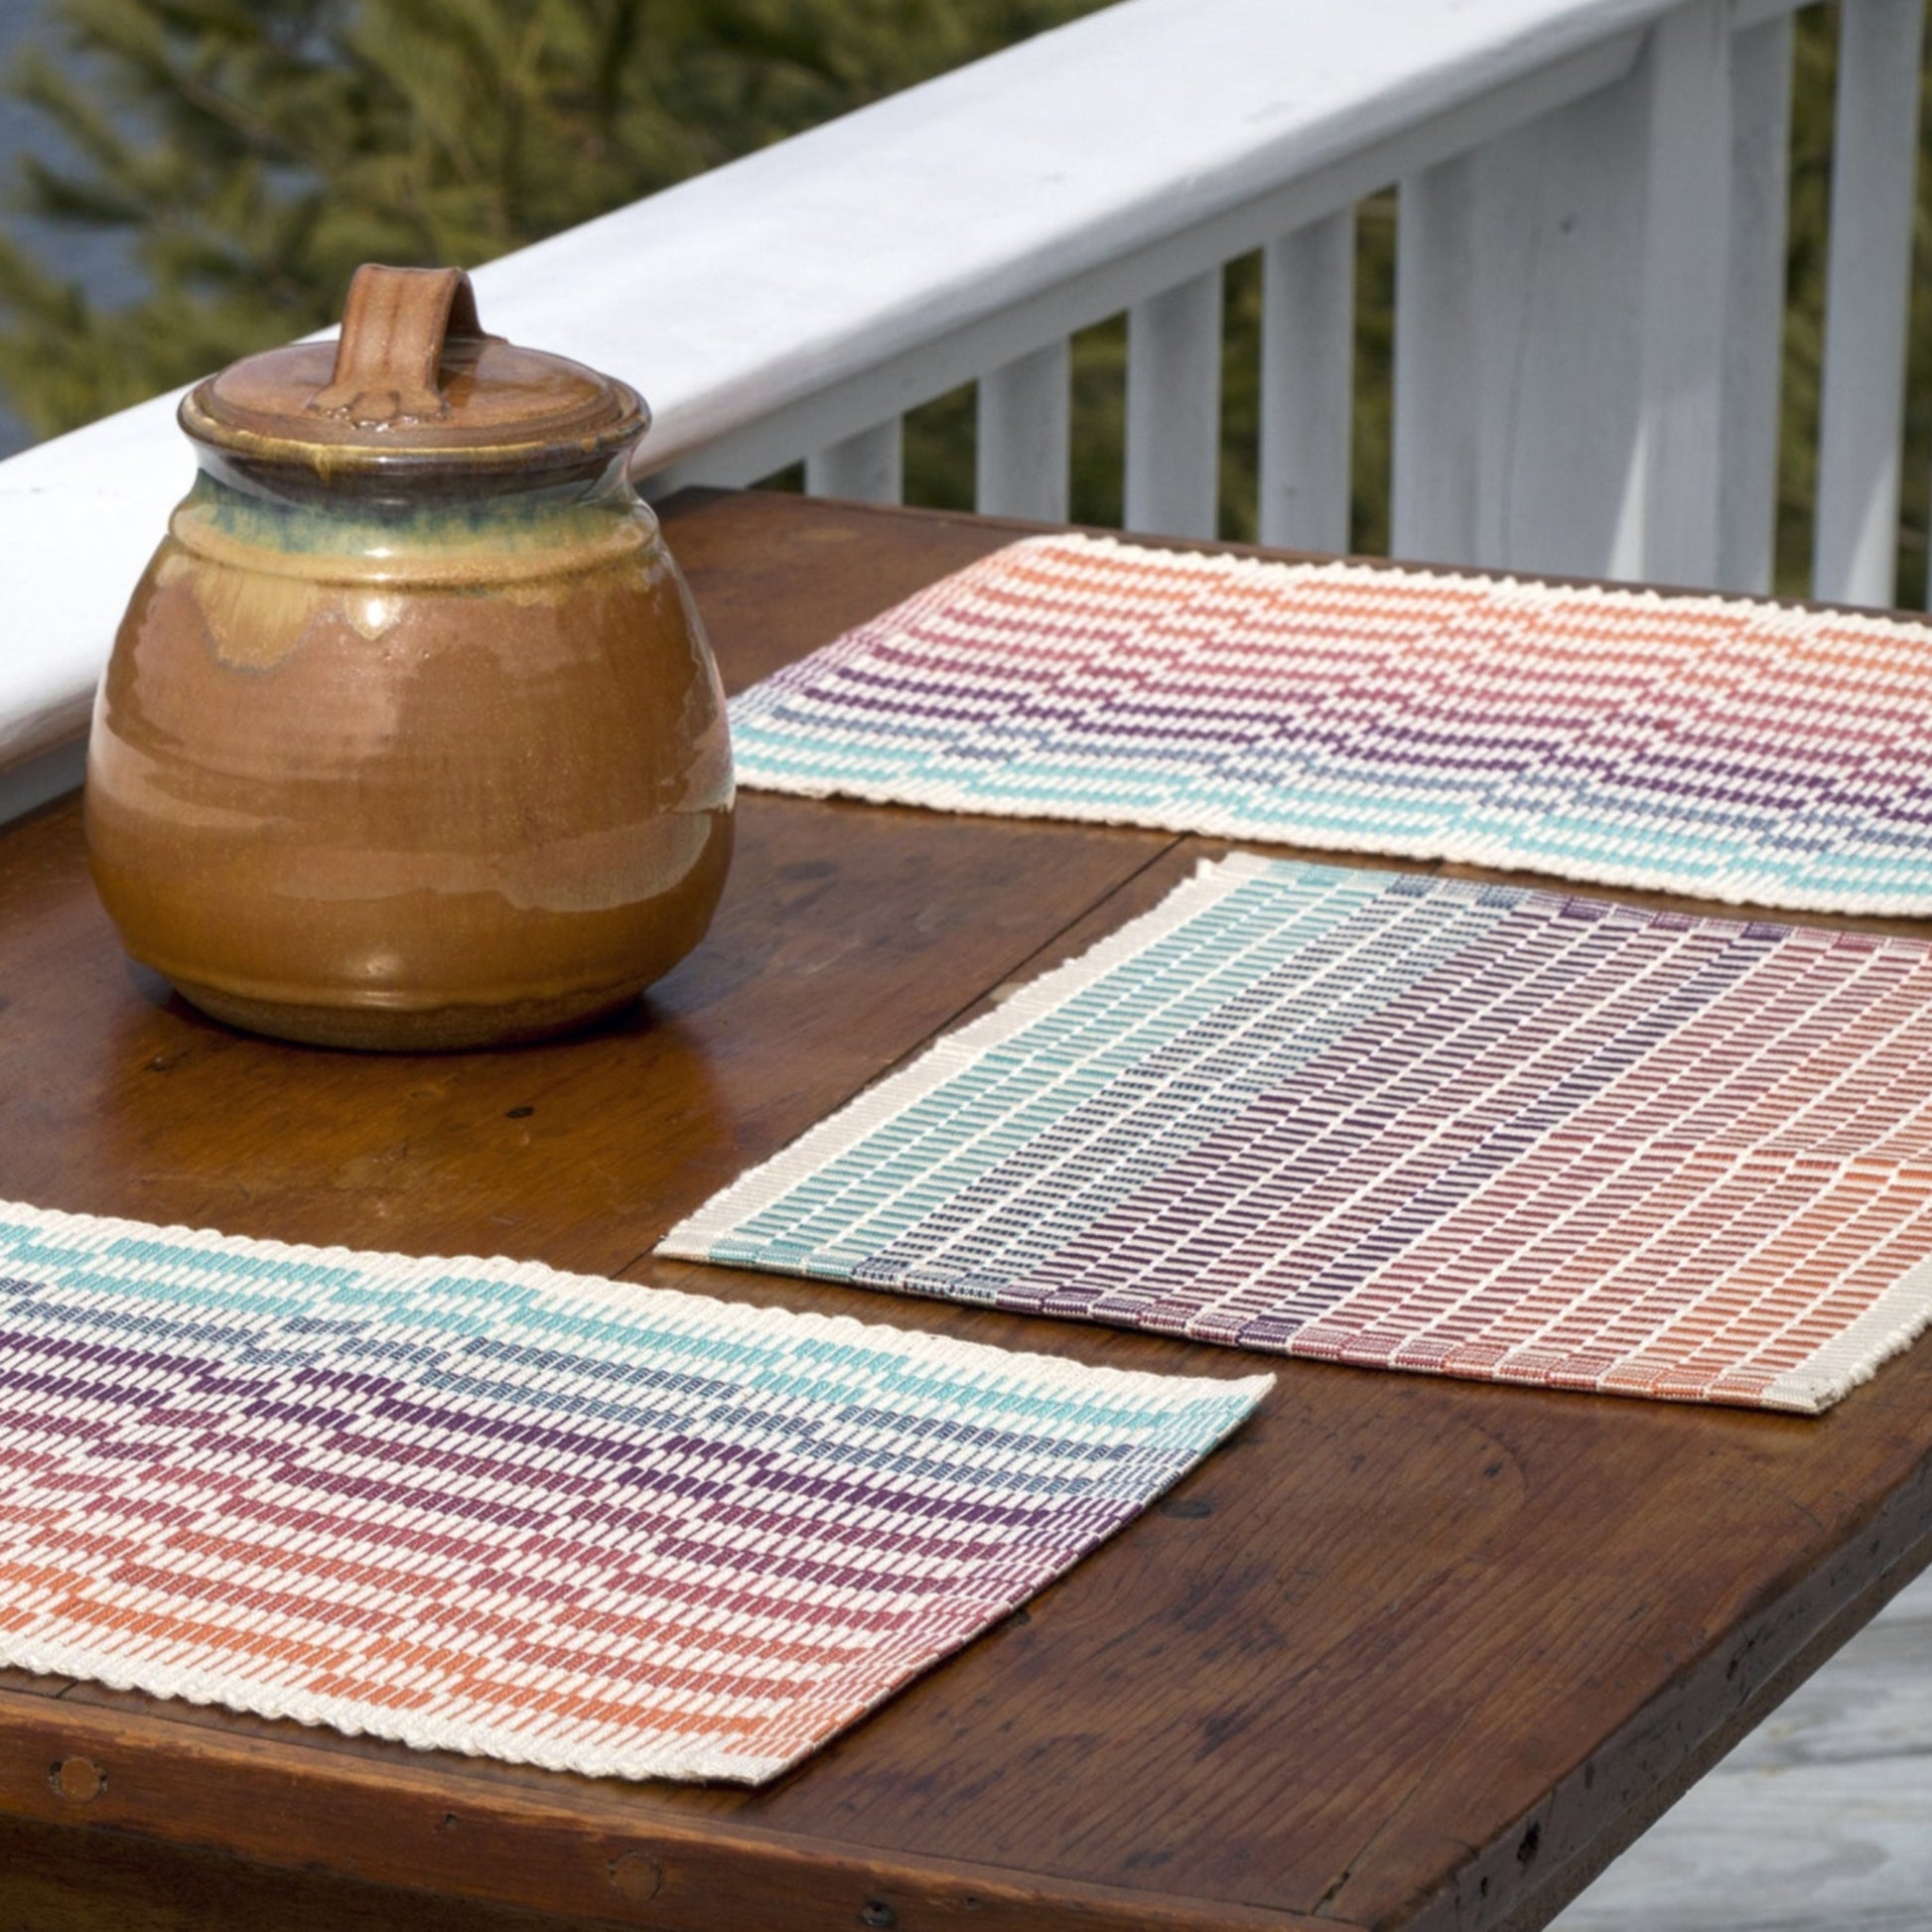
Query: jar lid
pixel 414 383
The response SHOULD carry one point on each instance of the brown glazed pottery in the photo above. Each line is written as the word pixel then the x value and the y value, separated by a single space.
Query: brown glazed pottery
pixel 411 737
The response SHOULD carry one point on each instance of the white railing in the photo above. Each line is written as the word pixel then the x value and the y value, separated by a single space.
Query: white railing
pixel 1591 267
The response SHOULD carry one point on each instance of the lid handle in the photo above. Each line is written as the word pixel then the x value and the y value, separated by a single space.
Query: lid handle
pixel 395 324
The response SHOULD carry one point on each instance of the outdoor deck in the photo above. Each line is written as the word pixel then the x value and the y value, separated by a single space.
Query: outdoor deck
pixel 1823 1818
pixel 1528 138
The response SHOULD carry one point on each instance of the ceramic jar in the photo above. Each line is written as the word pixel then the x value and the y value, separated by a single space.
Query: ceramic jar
pixel 411 737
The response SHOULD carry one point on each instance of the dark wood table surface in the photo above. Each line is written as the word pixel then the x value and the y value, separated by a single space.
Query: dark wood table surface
pixel 1406 1652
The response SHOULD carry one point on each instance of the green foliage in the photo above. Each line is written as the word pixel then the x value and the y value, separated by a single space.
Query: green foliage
pixel 254 151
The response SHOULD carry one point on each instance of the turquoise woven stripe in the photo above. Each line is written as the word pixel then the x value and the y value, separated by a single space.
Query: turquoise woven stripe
pixel 1263 788
pixel 780 761
pixel 171 1255
pixel 926 1155
pixel 147 1295
pixel 1069 1178
pixel 970 1169
pixel 1623 737
pixel 1622 827
pixel 483 1508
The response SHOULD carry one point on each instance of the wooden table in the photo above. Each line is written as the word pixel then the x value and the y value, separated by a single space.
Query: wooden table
pixel 1406 1652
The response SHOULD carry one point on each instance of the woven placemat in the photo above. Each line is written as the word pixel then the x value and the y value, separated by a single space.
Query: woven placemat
pixel 1412 1122
pixel 1716 746
pixel 481 1506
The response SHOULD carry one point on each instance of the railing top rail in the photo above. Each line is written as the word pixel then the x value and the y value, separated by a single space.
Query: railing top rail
pixel 737 292
pixel 740 292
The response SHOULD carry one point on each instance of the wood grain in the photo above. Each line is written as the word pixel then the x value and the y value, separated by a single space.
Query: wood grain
pixel 54 1881
pixel 1818 1820
pixel 1405 1653
pixel 1873 1702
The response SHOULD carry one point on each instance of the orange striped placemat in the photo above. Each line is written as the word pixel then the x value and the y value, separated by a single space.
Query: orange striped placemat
pixel 481 1506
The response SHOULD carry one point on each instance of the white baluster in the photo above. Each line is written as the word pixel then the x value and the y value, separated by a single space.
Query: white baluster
pixel 1307 344
pixel 1515 351
pixel 869 467
pixel 1173 410
pixel 1560 294
pixel 1435 461
pixel 1025 438
pixel 1872 168
pixel 1760 167
pixel 1558 241
pixel 1668 531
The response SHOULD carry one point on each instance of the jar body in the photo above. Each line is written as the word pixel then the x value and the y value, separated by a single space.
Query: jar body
pixel 410 774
